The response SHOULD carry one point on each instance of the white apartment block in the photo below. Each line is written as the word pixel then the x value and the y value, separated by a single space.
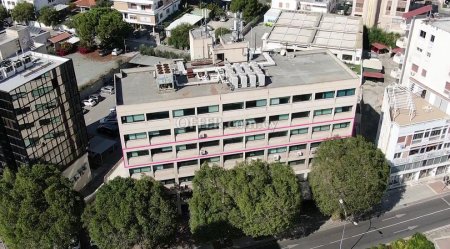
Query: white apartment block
pixel 391 14
pixel 175 117
pixel 426 65
pixel 368 10
pixel 414 135
pixel 38 4
pixel 146 12
pixel 322 6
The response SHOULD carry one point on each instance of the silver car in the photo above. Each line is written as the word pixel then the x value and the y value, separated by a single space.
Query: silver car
pixel 107 89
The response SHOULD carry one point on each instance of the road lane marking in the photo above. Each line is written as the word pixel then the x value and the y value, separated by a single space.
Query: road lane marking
pixel 407 229
pixel 398 223
pixel 445 201
pixel 396 216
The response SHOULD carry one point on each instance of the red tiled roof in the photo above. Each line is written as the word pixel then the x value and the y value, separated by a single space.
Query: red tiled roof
pixel 373 75
pixel 60 37
pixel 379 46
pixel 416 12
pixel 398 50
pixel 85 3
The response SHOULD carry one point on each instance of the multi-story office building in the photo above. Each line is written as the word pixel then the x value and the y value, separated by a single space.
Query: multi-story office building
pixel 38 4
pixel 41 116
pixel 146 13
pixel 426 67
pixel 414 135
pixel 368 10
pixel 175 117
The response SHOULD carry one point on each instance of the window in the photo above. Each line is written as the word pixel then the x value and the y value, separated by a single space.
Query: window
pixel 278 134
pixel 435 132
pixel 31 142
pixel 133 118
pixel 321 128
pixel 159 133
pixel 280 5
pixel 343 109
pixel 279 101
pixel 232 140
pixel 185 130
pixel 256 103
pixel 186 147
pixel 341 125
pixel 254 153
pixel 138 153
pixel 255 137
pixel 157 115
pixel 52 135
pixel 299 131
pixel 47 121
pixel 234 123
pixel 419 49
pixel 315 145
pixel 140 170
pixel 167 182
pixel 323 112
pixel 297 147
pixel 297 162
pixel 133 6
pixel 279 117
pixel 277 150
pixel 302 97
pixel 233 106
pixel 18 95
pixel 414 68
pixel 41 91
pixel 252 121
pixel 424 73
pixel 206 127
pixel 418 136
pixel 324 95
pixel 45 106
pixel 135 136
pixel 345 92
pixel 207 109
pixel 432 38
pixel 183 112
pixel 300 114
pixel 423 34
pixel 162 150
pixel 347 57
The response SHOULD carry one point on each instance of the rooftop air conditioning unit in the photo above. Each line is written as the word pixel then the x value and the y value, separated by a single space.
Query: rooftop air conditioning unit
pixel 300 153
pixel 276 157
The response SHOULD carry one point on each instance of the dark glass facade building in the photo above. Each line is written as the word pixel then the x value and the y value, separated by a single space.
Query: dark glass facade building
pixel 41 115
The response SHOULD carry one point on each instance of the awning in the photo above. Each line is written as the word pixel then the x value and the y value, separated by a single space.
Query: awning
pixel 373 63
pixel 418 11
pixel 59 38
pixel 373 75
pixel 85 3
pixel 73 40
pixel 379 46
pixel 398 50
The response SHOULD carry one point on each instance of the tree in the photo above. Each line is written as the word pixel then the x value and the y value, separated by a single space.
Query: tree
pixel 49 16
pixel 128 212
pixel 38 208
pixel 381 36
pixel 417 241
pixel 242 198
pixel 221 31
pixel 251 10
pixel 179 36
pixel 237 5
pixel 351 169
pixel 86 24
pixel 103 3
pixel 112 30
pixel 3 13
pixel 23 12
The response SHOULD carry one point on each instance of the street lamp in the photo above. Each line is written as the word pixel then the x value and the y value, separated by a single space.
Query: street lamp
pixel 341 203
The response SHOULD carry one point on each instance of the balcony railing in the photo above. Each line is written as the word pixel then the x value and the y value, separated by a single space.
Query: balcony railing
pixel 420 157
pixel 401 42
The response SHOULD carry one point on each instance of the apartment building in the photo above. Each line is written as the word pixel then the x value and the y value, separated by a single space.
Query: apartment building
pixel 38 4
pixel 414 135
pixel 322 6
pixel 175 117
pixel 391 14
pixel 146 13
pixel 41 116
pixel 368 10
pixel 426 66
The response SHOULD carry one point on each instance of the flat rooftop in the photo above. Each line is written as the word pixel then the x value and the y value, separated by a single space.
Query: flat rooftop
pixel 317 29
pixel 138 85
pixel 443 24
pixel 41 63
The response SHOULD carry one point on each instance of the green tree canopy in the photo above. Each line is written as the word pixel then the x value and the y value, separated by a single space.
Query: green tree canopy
pixel 237 5
pixel 3 13
pixel 49 16
pixel 381 36
pixel 351 169
pixel 179 36
pixel 111 29
pixel 242 198
pixel 38 208
pixel 103 3
pixel 251 10
pixel 86 24
pixel 417 241
pixel 221 31
pixel 23 12
pixel 128 212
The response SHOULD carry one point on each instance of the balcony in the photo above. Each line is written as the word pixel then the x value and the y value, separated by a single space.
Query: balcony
pixel 164 174
pixel 398 58
pixel 420 157
pixel 278 140
pixel 405 26
pixel 401 42
pixel 187 153
pixel 160 139
pixel 162 156
pixel 186 136
pixel 395 73
pixel 231 163
pixel 299 154
pixel 279 157
pixel 139 160
pixel 255 143
pixel 206 150
pixel 187 170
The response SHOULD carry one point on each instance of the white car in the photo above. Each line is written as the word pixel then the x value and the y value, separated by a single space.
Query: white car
pixel 116 51
pixel 89 102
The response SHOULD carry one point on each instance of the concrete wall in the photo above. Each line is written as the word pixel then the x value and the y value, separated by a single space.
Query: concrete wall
pixel 76 170
pixel 285 4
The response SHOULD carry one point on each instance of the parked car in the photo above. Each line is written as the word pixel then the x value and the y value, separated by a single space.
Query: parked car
pixel 89 102
pixel 107 89
pixel 116 51
pixel 110 119
pixel 104 52
pixel 97 97
pixel 108 129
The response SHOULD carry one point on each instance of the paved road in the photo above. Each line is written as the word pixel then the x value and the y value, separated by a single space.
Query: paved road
pixel 390 226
